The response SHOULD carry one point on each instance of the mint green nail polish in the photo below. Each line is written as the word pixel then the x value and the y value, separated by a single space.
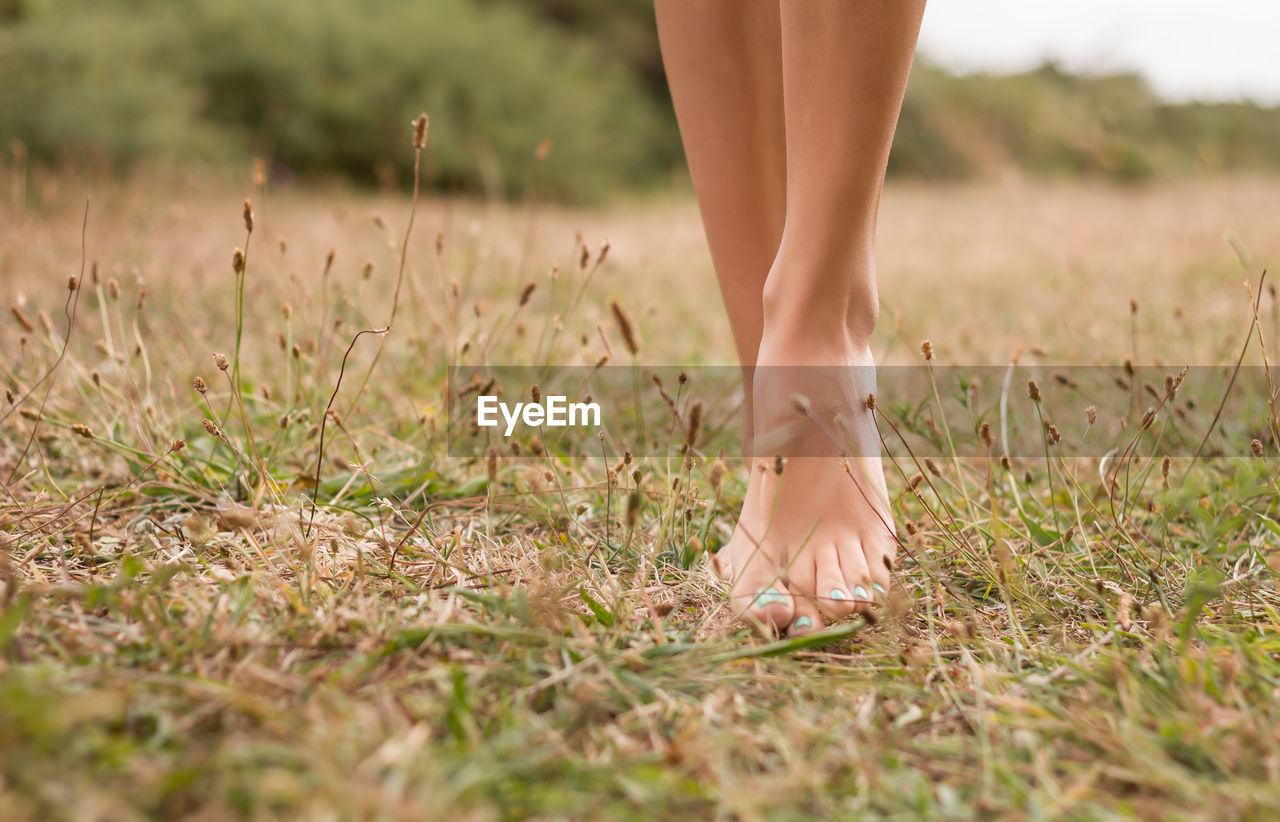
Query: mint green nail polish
pixel 879 588
pixel 861 593
pixel 837 594
pixel 767 596
pixel 803 622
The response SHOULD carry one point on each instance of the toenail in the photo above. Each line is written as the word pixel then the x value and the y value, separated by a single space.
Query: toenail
pixel 767 596
pixel 879 588
pixel 861 593
pixel 837 594
pixel 803 622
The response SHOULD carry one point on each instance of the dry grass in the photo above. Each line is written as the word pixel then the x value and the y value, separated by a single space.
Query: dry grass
pixel 183 638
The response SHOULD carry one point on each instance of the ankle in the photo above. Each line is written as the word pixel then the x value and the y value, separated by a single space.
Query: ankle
pixel 811 342
pixel 801 302
pixel 817 326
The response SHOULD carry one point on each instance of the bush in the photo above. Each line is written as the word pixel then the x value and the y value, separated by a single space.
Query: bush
pixel 329 85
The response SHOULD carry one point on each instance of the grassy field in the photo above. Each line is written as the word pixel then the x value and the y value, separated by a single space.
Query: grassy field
pixel 183 636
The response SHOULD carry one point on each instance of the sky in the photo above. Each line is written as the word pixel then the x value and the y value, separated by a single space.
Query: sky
pixel 1187 49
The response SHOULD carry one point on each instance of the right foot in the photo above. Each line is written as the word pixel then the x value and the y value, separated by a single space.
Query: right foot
pixel 816 539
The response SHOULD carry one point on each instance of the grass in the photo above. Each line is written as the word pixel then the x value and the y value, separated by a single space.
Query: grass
pixel 182 637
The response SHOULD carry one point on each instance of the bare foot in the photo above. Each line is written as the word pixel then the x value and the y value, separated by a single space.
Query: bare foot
pixel 814 538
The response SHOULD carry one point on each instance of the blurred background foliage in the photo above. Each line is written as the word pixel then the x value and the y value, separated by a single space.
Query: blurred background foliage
pixel 328 87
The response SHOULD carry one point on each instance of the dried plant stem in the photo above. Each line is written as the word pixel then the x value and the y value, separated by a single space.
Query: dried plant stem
pixel 951 446
pixel 264 479
pixel 1274 422
pixel 315 492
pixel 69 309
pixel 241 276
pixel 395 297
pixel 1217 414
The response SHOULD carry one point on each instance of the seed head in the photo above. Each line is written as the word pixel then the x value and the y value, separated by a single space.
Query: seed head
pixel 237 261
pixel 984 431
pixel 633 508
pixel 259 172
pixel 177 445
pixel 628 331
pixel 1124 611
pixel 1005 462
pixel 81 430
pixel 286 309
pixel 113 288
pixel 1256 445
pixel 491 463
pixel 527 292
pixel 22 319
pixel 1091 414
pixel 717 473
pixel 1164 466
pixel 777 465
pixel 695 424
pixel 1052 431
pixel 1033 390
pixel 367 272
pixel 212 428
pixel 248 216
pixel 420 131
pixel 870 402
pixel 199 385
pixel 221 361
pixel 73 282
pixel 926 350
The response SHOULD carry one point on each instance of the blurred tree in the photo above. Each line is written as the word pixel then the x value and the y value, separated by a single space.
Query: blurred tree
pixel 326 85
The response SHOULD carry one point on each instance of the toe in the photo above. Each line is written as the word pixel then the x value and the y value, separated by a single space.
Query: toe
pixel 878 552
pixel 723 564
pixel 764 600
pixel 857 576
pixel 831 592
pixel 807 618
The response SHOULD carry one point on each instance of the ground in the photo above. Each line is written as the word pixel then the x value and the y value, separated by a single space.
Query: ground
pixel 182 635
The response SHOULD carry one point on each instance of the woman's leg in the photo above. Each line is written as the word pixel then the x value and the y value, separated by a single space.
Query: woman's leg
pixel 845 67
pixel 724 65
